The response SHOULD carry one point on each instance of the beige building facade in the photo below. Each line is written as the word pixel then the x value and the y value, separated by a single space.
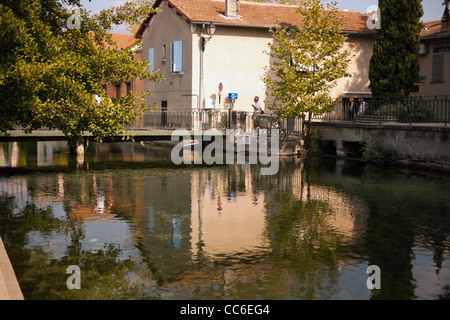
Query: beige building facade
pixel 434 58
pixel 202 46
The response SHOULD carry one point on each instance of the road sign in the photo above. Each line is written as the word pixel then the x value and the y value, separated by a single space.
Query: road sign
pixel 232 96
pixel 220 86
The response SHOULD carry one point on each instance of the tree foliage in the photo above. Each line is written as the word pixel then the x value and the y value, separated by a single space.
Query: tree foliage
pixel 307 61
pixel 394 66
pixel 49 73
pixel 130 13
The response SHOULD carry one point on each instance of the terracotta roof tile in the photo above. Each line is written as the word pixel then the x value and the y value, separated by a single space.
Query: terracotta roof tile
pixel 432 30
pixel 253 14
pixel 122 40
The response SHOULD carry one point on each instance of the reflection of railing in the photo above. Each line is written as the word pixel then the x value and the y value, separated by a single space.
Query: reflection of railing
pixel 216 119
pixel 403 110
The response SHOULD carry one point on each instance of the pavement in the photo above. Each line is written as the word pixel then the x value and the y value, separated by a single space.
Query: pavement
pixel 9 287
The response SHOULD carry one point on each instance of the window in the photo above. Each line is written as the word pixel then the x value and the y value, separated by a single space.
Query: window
pixel 128 84
pixel 176 56
pixel 151 59
pixel 117 91
pixel 438 68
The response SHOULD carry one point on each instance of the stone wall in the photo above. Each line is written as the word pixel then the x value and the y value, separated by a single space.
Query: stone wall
pixel 419 144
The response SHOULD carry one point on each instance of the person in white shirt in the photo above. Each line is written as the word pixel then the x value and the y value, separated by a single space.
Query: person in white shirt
pixel 362 106
pixel 256 111
pixel 97 98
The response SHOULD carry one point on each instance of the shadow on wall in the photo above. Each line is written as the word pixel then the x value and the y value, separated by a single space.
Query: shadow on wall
pixel 362 51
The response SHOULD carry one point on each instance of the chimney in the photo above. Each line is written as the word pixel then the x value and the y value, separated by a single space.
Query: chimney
pixel 231 8
pixel 445 21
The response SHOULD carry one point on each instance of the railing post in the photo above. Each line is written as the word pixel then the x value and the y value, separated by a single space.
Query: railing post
pixel 380 109
pixel 446 110
pixel 410 111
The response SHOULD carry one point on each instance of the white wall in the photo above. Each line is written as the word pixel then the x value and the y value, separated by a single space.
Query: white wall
pixel 234 57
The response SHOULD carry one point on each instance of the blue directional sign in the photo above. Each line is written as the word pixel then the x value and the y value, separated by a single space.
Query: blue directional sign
pixel 232 96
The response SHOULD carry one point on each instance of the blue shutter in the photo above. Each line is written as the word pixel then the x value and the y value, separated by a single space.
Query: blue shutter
pixel 151 59
pixel 176 56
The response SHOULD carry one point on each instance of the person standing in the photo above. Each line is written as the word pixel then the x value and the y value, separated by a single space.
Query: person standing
pixel 257 110
pixel 362 106
pixel 351 110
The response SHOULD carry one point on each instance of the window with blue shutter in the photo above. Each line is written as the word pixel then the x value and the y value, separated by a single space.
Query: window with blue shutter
pixel 151 59
pixel 176 56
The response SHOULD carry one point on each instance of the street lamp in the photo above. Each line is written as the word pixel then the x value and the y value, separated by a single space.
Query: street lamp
pixel 210 30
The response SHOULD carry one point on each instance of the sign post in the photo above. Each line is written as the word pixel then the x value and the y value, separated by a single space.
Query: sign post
pixel 220 94
pixel 232 97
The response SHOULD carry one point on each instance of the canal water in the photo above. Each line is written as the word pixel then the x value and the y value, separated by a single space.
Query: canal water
pixel 139 227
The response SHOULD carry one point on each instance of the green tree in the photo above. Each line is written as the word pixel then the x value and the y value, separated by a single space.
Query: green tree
pixel 130 13
pixel 307 61
pixel 394 66
pixel 51 68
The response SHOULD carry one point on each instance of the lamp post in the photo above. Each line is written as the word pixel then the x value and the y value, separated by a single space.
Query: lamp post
pixel 210 31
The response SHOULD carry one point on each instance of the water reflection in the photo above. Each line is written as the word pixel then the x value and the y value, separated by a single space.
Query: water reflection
pixel 220 232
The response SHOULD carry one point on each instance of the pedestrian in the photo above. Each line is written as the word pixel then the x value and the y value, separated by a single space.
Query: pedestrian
pixel 351 110
pixel 362 106
pixel 257 110
pixel 97 98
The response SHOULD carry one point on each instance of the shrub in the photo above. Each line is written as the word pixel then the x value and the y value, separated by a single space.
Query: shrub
pixel 379 154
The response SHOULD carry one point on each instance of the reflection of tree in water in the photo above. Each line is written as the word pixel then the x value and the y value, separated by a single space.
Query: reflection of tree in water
pixel 103 274
pixel 446 294
pixel 408 212
pixel 303 243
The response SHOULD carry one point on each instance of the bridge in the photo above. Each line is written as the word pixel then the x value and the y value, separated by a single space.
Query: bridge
pixel 416 127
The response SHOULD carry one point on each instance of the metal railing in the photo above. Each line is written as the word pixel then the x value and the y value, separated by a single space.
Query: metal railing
pixel 401 110
pixel 214 119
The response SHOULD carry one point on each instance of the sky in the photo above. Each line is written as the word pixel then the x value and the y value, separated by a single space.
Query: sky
pixel 433 9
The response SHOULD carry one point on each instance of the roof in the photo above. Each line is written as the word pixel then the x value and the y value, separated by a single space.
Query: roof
pixel 122 41
pixel 251 14
pixel 432 30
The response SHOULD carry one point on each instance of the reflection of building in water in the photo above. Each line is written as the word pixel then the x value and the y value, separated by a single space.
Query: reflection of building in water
pixel 42 153
pixel 18 188
pixel 129 151
pixel 229 208
pixel 228 215
pixel 158 202
pixel 52 153
pixel 9 154
pixel 348 214
pixel 101 200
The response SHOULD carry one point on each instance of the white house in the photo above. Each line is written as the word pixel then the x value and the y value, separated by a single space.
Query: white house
pixel 202 46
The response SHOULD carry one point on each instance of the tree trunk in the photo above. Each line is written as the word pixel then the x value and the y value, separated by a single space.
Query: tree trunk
pixel 306 127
